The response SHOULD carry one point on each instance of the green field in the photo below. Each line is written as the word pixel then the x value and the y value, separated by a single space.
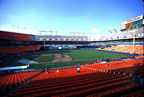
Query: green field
pixel 44 59
pixel 78 57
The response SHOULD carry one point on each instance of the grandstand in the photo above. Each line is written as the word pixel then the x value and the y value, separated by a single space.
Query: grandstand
pixel 127 48
pixel 111 65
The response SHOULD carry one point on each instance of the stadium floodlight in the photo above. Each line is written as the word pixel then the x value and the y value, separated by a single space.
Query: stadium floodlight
pixel 113 29
pixel 81 33
pixel 72 33
pixel 110 31
pixel 47 31
pixel 77 33
pixel 56 32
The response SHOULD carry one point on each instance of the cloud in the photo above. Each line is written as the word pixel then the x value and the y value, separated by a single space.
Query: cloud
pixel 96 31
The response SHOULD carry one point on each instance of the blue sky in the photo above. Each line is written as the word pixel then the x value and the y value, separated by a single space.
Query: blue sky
pixel 94 17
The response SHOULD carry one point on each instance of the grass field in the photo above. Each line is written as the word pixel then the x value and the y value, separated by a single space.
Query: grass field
pixel 78 57
pixel 44 59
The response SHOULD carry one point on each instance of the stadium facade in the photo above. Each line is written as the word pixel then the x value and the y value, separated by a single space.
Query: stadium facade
pixel 71 42
pixel 11 39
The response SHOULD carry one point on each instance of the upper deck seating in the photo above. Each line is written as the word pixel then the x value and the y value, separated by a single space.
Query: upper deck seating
pixel 16 36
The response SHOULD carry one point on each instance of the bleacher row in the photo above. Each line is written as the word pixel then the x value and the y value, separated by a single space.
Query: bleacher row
pixel 139 49
pixel 16 36
pixel 18 49
pixel 75 86
pixel 9 81
pixel 113 79
pixel 120 66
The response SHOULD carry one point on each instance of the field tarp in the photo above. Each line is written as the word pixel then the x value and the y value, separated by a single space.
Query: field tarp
pixel 26 61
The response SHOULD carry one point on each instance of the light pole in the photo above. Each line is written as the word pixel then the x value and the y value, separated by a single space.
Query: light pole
pixel 133 51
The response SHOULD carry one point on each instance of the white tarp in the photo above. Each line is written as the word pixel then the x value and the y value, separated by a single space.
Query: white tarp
pixel 14 67
pixel 26 61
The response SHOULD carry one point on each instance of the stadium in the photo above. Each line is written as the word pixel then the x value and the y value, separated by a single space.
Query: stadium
pixel 46 65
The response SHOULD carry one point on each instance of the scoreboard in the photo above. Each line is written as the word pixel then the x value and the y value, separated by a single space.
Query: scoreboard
pixel 132 23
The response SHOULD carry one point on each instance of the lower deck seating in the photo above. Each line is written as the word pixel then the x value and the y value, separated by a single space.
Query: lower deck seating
pixel 58 85
pixel 92 81
pixel 87 82
pixel 139 93
pixel 9 81
pixel 115 65
pixel 16 36
pixel 120 91
pixel 139 49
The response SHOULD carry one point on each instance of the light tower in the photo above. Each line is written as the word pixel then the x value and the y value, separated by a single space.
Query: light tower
pixel 46 33
pixel 133 51
pixel 112 29
pixel 80 33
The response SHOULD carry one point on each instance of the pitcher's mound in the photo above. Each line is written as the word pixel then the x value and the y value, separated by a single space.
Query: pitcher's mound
pixel 61 58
